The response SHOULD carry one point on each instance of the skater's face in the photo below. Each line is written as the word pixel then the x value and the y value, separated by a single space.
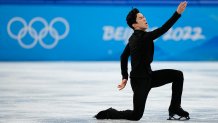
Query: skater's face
pixel 141 23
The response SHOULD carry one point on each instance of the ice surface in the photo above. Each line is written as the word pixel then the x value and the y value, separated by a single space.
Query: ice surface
pixel 73 92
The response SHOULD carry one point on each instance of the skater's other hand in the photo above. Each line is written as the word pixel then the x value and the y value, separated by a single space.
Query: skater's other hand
pixel 181 7
pixel 122 84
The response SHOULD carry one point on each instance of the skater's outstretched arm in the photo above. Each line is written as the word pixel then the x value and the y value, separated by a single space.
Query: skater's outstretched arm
pixel 124 67
pixel 164 28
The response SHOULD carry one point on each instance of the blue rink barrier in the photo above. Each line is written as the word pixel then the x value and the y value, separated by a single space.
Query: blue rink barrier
pixel 98 33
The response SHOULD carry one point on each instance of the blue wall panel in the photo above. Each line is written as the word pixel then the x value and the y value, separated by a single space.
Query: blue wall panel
pixel 111 2
pixel 58 32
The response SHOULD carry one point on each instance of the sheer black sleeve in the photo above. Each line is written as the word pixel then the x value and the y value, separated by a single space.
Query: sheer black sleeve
pixel 164 28
pixel 124 62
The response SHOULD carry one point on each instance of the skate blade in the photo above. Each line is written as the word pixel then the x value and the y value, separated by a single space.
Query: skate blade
pixel 178 118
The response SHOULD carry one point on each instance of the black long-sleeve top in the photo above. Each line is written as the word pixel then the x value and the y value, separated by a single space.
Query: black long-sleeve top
pixel 141 49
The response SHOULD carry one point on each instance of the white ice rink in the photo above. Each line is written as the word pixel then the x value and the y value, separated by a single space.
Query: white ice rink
pixel 73 92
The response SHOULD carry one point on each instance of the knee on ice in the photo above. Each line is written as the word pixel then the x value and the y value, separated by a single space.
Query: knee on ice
pixel 137 117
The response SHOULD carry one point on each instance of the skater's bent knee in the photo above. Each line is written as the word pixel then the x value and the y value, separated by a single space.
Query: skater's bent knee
pixel 180 75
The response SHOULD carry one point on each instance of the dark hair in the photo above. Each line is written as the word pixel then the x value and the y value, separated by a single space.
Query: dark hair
pixel 131 17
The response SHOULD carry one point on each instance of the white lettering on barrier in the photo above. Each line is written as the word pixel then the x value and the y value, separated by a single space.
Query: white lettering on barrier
pixel 184 33
pixel 118 34
pixel 108 33
pixel 174 34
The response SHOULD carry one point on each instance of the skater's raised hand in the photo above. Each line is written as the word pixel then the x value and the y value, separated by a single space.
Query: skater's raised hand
pixel 122 84
pixel 181 7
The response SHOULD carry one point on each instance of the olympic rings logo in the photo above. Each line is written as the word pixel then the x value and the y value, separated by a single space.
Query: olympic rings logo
pixel 41 34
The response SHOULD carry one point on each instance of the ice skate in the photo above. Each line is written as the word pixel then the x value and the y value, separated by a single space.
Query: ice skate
pixel 182 115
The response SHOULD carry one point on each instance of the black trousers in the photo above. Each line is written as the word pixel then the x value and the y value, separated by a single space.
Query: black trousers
pixel 141 88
